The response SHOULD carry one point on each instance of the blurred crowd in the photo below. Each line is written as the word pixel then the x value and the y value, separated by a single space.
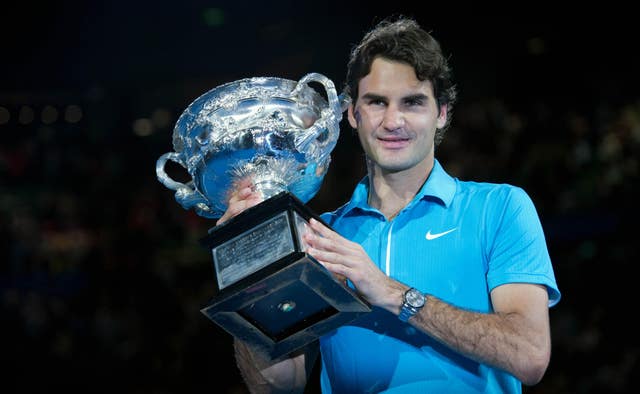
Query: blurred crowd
pixel 102 277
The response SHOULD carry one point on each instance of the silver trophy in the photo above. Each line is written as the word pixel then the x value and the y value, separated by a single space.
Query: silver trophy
pixel 279 135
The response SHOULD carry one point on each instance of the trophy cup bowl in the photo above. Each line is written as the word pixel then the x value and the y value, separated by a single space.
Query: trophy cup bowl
pixel 279 135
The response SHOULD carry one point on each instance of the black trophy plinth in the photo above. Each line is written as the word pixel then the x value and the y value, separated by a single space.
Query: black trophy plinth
pixel 270 293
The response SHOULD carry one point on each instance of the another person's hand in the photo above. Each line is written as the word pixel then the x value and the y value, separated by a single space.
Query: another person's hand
pixel 243 197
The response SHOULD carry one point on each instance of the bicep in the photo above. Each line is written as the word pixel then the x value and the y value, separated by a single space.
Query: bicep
pixel 529 301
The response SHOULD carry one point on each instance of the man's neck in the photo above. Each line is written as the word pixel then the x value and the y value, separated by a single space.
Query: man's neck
pixel 389 192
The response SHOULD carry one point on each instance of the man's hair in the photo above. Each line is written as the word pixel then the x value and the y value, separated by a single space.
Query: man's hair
pixel 401 39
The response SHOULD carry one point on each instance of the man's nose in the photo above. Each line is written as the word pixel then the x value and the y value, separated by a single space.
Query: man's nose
pixel 393 118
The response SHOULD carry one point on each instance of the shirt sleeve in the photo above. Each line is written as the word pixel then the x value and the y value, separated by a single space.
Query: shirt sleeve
pixel 517 249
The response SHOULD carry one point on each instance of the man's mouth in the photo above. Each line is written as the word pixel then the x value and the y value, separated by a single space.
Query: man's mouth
pixel 393 142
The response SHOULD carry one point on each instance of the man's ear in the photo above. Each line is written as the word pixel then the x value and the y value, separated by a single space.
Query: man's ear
pixel 351 117
pixel 442 116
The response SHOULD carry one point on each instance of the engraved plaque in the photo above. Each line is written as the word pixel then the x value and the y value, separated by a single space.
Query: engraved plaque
pixel 253 249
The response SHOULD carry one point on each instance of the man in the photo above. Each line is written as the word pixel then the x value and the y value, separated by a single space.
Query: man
pixel 458 273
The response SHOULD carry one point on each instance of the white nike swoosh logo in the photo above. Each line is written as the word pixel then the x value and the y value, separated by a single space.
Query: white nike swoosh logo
pixel 430 236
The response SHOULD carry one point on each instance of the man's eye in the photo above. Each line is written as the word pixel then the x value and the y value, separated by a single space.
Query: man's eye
pixel 414 102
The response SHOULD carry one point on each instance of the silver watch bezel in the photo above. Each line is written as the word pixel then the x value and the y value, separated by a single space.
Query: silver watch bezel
pixel 414 298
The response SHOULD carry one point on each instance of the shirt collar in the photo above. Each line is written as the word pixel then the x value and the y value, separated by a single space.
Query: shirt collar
pixel 439 185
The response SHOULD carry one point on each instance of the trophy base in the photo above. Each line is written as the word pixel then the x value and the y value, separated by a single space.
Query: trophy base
pixel 287 303
pixel 288 309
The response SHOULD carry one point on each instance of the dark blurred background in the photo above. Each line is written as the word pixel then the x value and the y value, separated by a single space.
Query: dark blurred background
pixel 102 277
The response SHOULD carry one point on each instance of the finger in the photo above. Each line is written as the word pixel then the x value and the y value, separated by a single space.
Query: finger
pixel 319 242
pixel 243 183
pixel 324 238
pixel 240 194
pixel 244 200
pixel 330 257
pixel 339 271
pixel 232 211
pixel 322 229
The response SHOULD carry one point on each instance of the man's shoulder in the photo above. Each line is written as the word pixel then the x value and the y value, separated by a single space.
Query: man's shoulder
pixel 493 194
pixel 483 187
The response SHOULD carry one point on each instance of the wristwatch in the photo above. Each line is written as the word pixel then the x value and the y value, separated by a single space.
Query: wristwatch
pixel 412 301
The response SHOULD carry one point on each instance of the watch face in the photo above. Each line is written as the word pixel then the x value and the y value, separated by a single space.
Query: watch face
pixel 415 298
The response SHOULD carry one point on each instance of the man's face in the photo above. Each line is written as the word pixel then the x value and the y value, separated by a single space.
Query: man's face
pixel 396 116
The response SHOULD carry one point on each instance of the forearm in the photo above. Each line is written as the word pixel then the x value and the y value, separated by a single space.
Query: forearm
pixel 249 369
pixel 262 375
pixel 504 340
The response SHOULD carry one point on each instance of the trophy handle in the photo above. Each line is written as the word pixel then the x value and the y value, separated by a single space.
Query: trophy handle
pixel 186 194
pixel 328 122
pixel 162 175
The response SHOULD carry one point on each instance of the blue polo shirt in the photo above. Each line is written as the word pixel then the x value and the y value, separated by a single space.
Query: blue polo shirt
pixel 455 240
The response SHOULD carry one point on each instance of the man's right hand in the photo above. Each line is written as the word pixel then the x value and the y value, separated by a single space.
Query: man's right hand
pixel 244 196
